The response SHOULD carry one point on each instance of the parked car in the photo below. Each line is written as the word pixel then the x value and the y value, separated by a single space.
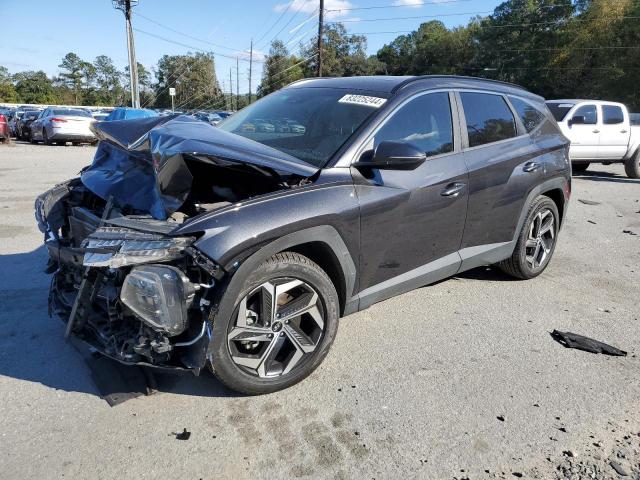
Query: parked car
pixel 23 125
pixel 13 122
pixel 5 136
pixel 212 118
pixel 240 250
pixel 125 113
pixel 600 132
pixel 61 125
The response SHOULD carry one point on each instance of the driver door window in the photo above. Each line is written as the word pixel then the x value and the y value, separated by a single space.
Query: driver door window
pixel 424 122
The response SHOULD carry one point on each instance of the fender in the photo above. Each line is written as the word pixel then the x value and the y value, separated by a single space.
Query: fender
pixel 488 254
pixel 226 295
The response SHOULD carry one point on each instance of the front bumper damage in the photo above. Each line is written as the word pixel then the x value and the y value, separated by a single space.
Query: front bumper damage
pixel 124 285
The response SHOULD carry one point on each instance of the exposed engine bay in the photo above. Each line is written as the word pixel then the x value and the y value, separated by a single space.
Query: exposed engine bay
pixel 122 281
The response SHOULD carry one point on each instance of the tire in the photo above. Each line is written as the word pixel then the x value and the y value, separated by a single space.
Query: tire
pixel 518 265
pixel 579 167
pixel 282 269
pixel 632 166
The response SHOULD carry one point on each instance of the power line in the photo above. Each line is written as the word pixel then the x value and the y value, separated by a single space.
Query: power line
pixel 286 24
pixel 508 25
pixel 276 22
pixel 416 4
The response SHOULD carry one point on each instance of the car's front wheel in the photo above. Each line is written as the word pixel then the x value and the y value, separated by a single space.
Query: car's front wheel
pixel 284 322
pixel 536 242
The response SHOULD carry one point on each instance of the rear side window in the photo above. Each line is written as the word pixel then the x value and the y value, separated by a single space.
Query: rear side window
pixel 589 112
pixel 489 118
pixel 424 122
pixel 612 115
pixel 531 117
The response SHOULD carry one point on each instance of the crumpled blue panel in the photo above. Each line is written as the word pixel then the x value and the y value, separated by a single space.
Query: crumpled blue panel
pixel 129 179
pixel 141 164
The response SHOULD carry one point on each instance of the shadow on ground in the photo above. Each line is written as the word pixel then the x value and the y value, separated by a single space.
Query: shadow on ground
pixel 32 346
pixel 598 176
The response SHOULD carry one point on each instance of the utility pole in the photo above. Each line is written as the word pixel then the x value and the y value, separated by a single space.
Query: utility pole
pixel 250 69
pixel 231 88
pixel 237 82
pixel 320 31
pixel 125 7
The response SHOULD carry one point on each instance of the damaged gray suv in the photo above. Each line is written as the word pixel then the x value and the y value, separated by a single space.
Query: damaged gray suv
pixel 185 246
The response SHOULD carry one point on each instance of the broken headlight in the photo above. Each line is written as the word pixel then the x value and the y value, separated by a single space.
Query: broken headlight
pixel 116 247
pixel 160 295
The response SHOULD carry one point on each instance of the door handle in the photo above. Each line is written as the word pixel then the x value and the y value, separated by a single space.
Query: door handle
pixel 595 130
pixel 452 190
pixel 623 131
pixel 531 167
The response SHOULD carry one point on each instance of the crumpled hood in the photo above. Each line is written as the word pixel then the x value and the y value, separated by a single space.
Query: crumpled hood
pixel 140 162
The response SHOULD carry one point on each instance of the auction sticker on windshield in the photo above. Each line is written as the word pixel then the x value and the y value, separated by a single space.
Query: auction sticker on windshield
pixel 365 100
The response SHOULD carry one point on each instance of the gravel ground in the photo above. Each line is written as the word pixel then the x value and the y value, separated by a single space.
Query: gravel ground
pixel 456 380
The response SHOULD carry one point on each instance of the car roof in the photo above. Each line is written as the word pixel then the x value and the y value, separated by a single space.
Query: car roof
pixel 390 84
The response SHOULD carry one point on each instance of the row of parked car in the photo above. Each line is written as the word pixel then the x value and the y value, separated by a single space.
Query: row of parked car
pixel 59 125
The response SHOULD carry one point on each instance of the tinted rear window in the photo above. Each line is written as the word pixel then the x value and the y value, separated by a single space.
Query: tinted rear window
pixel 531 117
pixel 71 111
pixel 489 118
pixel 559 110
pixel 612 115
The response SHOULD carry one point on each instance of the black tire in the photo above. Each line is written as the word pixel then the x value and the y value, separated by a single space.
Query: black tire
pixel 579 167
pixel 45 137
pixel 632 166
pixel 290 265
pixel 517 265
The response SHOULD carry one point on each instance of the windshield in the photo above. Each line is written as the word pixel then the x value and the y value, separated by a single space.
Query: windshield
pixel 310 124
pixel 559 110
pixel 71 111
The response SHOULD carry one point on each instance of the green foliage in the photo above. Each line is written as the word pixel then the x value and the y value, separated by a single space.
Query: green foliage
pixel 7 90
pixel 553 47
pixel 280 69
pixel 34 87
pixel 194 78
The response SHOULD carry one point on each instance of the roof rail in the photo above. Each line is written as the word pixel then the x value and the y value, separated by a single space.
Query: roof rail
pixel 461 77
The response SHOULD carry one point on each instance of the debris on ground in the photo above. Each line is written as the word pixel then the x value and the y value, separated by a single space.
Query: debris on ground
pixel 500 417
pixel 592 222
pixel 620 470
pixel 588 202
pixel 573 340
pixel 183 435
pixel 630 232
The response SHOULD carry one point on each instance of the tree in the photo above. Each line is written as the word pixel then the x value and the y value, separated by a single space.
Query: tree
pixel 7 91
pixel 280 69
pixel 343 55
pixel 34 87
pixel 73 73
pixel 108 81
pixel 194 78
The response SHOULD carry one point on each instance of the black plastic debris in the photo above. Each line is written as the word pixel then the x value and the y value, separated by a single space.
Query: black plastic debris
pixel 183 435
pixel 630 232
pixel 573 340
pixel 588 202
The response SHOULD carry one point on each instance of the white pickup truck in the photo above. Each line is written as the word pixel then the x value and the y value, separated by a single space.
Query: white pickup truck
pixel 600 132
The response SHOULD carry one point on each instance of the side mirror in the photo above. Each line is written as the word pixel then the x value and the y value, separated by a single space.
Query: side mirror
pixel 577 120
pixel 391 155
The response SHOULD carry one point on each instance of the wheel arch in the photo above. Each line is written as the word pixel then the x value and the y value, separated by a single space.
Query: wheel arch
pixel 557 196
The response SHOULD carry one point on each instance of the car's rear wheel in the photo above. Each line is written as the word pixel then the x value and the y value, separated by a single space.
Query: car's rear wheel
pixel 579 167
pixel 536 242
pixel 632 166
pixel 284 322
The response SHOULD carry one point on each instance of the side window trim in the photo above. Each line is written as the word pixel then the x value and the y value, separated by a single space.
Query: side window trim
pixel 457 137
pixel 520 128
pixel 463 121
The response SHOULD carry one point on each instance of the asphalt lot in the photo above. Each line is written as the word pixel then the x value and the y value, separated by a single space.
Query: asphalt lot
pixel 412 388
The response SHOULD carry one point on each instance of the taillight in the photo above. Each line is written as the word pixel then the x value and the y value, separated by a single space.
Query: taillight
pixel 56 119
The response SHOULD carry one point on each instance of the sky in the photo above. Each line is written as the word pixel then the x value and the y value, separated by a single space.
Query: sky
pixel 38 33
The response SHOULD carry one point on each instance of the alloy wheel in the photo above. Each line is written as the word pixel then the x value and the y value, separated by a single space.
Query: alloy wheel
pixel 277 327
pixel 542 235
